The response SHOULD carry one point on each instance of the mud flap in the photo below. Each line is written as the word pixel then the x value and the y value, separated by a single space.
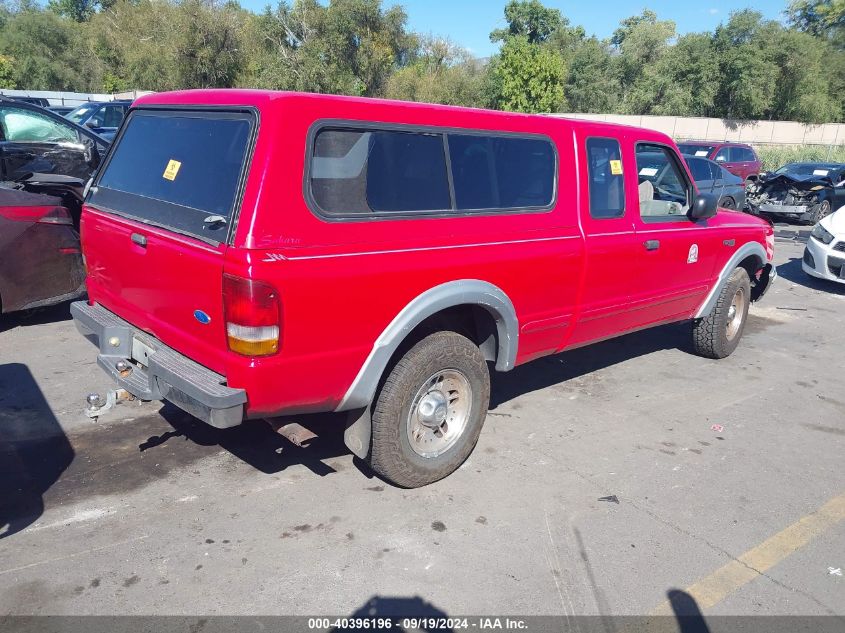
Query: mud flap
pixel 359 427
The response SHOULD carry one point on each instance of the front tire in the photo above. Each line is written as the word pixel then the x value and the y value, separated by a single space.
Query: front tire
pixel 728 203
pixel 717 335
pixel 428 414
pixel 819 211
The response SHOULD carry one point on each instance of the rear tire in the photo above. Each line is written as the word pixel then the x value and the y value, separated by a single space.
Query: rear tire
pixel 428 414
pixel 728 203
pixel 717 335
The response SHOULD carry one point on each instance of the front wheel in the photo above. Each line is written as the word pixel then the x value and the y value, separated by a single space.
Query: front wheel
pixel 819 211
pixel 718 334
pixel 728 203
pixel 428 414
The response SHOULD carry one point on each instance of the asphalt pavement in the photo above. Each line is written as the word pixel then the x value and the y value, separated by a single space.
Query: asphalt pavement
pixel 605 478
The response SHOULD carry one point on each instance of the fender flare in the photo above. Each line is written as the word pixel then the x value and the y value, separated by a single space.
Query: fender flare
pixel 453 293
pixel 744 251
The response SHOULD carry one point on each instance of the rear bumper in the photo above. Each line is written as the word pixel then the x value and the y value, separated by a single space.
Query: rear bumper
pixel 165 375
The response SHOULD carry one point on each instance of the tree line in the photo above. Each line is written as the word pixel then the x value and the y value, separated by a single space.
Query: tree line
pixel 749 67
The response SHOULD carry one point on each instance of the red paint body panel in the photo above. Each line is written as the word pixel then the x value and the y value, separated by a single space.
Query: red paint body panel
pixel 743 169
pixel 570 279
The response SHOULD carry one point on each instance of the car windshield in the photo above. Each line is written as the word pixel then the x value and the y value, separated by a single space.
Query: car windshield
pixel 808 169
pixel 696 149
pixel 77 115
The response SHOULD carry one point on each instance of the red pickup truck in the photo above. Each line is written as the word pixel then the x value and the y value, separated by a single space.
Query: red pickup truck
pixel 253 254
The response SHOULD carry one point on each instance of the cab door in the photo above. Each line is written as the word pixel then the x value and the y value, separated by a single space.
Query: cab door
pixel 610 249
pixel 676 255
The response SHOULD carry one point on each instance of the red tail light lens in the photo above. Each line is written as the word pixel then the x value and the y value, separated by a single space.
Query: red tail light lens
pixel 56 215
pixel 253 315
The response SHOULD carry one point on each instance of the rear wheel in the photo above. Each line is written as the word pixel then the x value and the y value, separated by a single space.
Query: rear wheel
pixel 717 335
pixel 428 414
pixel 728 203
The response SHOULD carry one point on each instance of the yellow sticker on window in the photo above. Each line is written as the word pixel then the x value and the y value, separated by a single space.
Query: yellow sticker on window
pixel 616 167
pixel 171 170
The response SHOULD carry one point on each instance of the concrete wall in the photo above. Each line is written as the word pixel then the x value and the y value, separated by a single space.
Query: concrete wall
pixel 754 132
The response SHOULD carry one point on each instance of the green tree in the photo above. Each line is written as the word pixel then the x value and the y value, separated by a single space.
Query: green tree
pixel 440 72
pixel 48 51
pixel 7 73
pixel 347 46
pixel 208 52
pixel 528 19
pixel 591 81
pixel 528 78
pixel 823 18
pixel 641 42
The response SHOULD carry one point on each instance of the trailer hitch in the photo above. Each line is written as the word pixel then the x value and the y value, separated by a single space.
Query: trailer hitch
pixel 97 406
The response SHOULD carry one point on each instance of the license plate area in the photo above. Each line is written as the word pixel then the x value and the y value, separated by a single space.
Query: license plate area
pixel 141 352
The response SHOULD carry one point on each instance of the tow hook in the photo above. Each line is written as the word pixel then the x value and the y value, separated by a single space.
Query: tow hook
pixel 97 406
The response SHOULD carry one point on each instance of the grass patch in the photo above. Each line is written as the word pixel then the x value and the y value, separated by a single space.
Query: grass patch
pixel 774 157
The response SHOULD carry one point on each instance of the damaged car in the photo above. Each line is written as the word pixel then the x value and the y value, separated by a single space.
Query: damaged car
pixel 806 192
pixel 45 162
pixel 40 256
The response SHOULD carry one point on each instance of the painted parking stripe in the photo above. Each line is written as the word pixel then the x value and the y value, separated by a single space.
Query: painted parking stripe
pixel 711 590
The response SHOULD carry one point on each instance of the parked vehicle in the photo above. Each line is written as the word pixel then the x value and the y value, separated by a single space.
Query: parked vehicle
pixel 35 140
pixel 738 158
pixel 710 177
pixel 824 255
pixel 806 192
pixel 61 110
pixel 41 102
pixel 375 257
pixel 40 256
pixel 102 117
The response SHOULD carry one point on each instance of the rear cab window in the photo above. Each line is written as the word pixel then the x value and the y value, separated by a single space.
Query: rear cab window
pixel 178 169
pixel 357 172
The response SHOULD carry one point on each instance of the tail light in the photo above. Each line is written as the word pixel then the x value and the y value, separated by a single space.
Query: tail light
pixel 253 314
pixel 39 215
pixel 56 215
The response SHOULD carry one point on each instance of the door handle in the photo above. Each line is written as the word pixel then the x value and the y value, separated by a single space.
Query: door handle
pixel 139 239
pixel 651 245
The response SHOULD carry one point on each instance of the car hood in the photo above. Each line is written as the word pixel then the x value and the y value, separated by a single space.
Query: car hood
pixel 800 182
pixel 835 222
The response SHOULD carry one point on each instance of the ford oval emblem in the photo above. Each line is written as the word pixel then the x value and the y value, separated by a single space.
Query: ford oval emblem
pixel 202 317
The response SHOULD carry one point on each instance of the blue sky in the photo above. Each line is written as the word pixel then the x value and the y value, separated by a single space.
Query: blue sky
pixel 469 22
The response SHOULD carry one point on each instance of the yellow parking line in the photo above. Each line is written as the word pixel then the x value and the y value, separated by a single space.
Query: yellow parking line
pixel 715 587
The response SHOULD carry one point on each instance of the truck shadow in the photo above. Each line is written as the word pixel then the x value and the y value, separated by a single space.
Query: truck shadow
pixel 257 444
pixel 792 272
pixel 559 368
pixel 34 450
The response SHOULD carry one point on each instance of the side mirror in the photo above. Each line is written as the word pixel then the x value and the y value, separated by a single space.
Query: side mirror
pixel 704 206
pixel 92 124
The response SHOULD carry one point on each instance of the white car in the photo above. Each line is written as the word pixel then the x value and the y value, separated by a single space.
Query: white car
pixel 824 256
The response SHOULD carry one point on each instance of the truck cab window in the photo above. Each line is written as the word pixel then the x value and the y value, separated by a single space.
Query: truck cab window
pixel 663 186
